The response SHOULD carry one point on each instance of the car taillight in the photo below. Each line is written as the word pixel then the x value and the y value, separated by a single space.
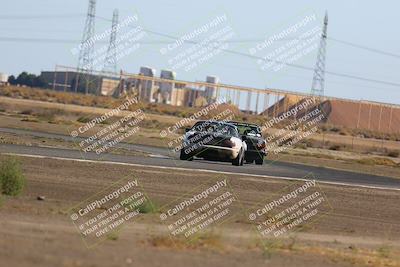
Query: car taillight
pixel 261 144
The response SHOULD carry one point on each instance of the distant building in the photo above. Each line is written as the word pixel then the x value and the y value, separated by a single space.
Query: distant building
pixel 67 81
pixel 178 94
pixel 59 80
pixel 193 96
pixel 108 86
pixel 172 92
pixel 146 89
pixel 211 91
pixel 166 88
pixel 3 79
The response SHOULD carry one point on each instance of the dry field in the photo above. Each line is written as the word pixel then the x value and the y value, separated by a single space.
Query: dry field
pixel 362 229
pixel 61 118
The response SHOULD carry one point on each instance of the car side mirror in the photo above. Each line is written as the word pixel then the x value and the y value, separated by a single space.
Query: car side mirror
pixel 244 137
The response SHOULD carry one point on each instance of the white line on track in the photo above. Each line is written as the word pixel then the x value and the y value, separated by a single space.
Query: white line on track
pixel 201 170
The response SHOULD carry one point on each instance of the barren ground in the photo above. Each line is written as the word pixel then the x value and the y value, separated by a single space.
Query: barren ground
pixel 363 228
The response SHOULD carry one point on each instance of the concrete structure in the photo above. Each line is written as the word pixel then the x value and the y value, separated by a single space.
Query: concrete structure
pixel 178 96
pixel 193 96
pixel 166 88
pixel 183 95
pixel 363 115
pixel 211 91
pixel 146 89
pixel 108 86
pixel 66 80
pixel 3 79
pixel 59 80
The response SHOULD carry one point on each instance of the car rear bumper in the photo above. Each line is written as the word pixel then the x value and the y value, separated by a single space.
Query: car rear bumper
pixel 211 151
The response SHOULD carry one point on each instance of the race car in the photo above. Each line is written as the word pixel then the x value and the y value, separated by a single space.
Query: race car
pixel 213 140
pixel 251 134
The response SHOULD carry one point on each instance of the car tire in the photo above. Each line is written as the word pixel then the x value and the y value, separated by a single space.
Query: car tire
pixel 259 160
pixel 184 156
pixel 238 161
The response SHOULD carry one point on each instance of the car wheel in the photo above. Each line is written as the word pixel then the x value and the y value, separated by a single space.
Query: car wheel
pixel 184 156
pixel 259 160
pixel 238 161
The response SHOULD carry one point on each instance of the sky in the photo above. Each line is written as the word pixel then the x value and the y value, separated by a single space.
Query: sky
pixel 37 35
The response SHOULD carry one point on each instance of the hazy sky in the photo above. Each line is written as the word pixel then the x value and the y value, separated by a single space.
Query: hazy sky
pixel 373 24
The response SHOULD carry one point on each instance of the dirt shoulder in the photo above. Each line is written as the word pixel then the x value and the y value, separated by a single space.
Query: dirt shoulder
pixel 361 230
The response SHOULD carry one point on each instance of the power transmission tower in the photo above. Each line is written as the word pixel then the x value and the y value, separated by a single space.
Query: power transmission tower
pixel 85 61
pixel 110 62
pixel 318 83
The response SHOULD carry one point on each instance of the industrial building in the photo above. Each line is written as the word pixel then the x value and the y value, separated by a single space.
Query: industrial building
pixel 146 87
pixel 166 88
pixel 176 93
pixel 73 81
pixel 211 91
pixel 3 79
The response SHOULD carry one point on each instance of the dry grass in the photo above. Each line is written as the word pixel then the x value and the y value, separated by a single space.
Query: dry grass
pixel 378 161
pixel 382 257
pixel 207 240
pixel 275 245
pixel 104 101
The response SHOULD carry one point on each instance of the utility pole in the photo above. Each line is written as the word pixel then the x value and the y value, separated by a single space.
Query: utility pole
pixel 86 49
pixel 318 83
pixel 110 62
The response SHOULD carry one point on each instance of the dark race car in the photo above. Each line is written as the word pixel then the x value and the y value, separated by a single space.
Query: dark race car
pixel 251 134
pixel 213 140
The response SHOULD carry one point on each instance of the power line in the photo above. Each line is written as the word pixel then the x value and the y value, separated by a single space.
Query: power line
pixel 349 76
pixel 103 18
pixel 54 40
pixel 23 17
pixel 365 48
pixel 38 40
pixel 285 39
pixel 35 30
pixel 250 40
pixel 302 77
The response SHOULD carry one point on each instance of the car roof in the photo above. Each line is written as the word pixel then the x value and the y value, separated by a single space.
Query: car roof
pixel 243 123
pixel 215 121
pixel 220 122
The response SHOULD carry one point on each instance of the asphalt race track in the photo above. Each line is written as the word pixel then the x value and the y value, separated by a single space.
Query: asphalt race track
pixel 162 158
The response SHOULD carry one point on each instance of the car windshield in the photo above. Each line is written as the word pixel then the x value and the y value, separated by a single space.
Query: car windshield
pixel 248 130
pixel 214 127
